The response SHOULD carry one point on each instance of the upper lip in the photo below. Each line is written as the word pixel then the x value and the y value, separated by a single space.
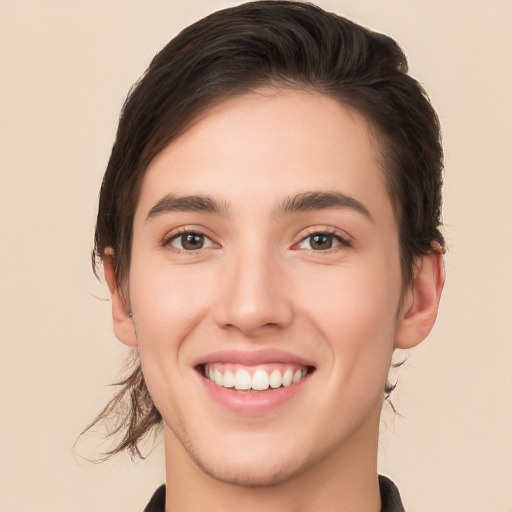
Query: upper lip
pixel 253 357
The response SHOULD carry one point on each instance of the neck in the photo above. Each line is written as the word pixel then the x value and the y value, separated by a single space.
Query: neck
pixel 343 481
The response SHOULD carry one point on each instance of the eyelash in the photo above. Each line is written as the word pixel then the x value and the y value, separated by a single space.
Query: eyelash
pixel 343 242
pixel 167 241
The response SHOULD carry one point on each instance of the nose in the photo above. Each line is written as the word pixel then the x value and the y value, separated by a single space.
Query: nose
pixel 255 295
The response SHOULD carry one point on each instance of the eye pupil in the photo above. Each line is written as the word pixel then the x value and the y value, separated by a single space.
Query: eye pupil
pixel 321 242
pixel 191 241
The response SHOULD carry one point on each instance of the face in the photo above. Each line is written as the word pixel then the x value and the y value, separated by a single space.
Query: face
pixel 264 287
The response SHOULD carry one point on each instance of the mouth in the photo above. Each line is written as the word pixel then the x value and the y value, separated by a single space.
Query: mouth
pixel 259 378
pixel 252 383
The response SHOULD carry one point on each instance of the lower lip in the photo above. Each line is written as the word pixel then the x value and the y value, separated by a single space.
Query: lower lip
pixel 248 403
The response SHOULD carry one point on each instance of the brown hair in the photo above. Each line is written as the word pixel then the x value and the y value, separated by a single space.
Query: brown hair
pixel 235 51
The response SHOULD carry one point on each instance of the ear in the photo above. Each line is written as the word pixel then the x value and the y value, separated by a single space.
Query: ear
pixel 124 328
pixel 421 301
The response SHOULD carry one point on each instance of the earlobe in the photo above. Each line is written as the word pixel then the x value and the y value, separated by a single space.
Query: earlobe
pixel 421 301
pixel 124 328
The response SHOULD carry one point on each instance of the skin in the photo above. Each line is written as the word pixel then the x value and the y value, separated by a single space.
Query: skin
pixel 257 283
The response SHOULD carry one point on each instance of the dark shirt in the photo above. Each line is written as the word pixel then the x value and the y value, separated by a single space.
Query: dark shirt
pixel 389 496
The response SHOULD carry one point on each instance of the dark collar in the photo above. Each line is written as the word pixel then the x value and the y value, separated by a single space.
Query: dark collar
pixel 389 496
pixel 157 503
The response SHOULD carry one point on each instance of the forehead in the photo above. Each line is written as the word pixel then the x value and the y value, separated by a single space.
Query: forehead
pixel 256 148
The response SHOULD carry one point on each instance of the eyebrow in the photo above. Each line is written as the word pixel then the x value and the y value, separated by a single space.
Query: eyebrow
pixel 303 202
pixel 311 201
pixel 193 203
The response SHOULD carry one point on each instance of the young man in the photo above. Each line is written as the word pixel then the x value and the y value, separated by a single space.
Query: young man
pixel 269 231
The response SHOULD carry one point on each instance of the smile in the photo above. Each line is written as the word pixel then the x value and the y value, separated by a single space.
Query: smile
pixel 254 378
pixel 254 383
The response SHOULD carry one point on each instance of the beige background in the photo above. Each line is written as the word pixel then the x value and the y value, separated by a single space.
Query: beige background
pixel 65 69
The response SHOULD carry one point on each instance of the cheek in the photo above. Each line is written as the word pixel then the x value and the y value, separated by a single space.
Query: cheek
pixel 359 297
pixel 167 305
pixel 167 295
pixel 354 309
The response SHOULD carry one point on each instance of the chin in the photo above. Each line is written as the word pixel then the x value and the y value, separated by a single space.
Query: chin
pixel 247 468
pixel 242 475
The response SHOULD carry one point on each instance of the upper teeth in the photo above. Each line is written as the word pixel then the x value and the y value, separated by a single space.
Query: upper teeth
pixel 241 379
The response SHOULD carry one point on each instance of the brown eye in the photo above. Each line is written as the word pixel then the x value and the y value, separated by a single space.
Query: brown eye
pixel 322 242
pixel 190 242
